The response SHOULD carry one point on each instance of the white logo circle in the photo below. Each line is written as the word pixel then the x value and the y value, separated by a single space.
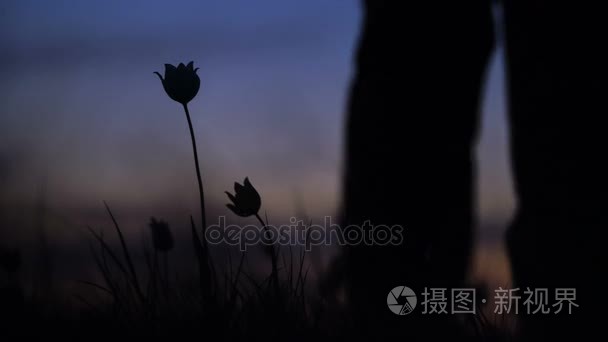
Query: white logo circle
pixel 401 300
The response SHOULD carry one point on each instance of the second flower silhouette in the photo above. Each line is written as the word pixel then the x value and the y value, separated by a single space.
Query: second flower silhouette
pixel 246 200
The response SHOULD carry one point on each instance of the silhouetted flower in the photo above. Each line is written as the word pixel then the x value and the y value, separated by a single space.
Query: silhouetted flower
pixel 181 83
pixel 10 260
pixel 246 200
pixel 161 235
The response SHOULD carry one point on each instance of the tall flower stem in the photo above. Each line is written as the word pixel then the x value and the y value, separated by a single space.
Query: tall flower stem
pixel 198 177
pixel 273 258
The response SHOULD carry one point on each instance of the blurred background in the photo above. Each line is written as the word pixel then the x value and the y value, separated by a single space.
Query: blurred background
pixel 83 118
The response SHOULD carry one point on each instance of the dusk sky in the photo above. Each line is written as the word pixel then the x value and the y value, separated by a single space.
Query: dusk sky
pixel 84 117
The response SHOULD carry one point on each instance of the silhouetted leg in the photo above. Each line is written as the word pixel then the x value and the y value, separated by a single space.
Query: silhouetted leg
pixel 411 128
pixel 557 104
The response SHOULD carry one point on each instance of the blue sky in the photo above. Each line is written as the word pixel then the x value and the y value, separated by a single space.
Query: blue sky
pixel 83 113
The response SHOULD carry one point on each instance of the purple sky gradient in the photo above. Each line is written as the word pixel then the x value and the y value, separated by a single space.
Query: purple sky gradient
pixel 83 114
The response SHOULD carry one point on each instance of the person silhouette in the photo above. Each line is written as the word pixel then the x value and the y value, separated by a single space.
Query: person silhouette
pixel 410 133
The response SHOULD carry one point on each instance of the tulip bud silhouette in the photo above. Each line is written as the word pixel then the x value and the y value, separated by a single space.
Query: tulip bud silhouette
pixel 181 83
pixel 162 239
pixel 246 200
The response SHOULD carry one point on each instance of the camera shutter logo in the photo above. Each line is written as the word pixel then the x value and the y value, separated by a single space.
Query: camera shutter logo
pixel 401 300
